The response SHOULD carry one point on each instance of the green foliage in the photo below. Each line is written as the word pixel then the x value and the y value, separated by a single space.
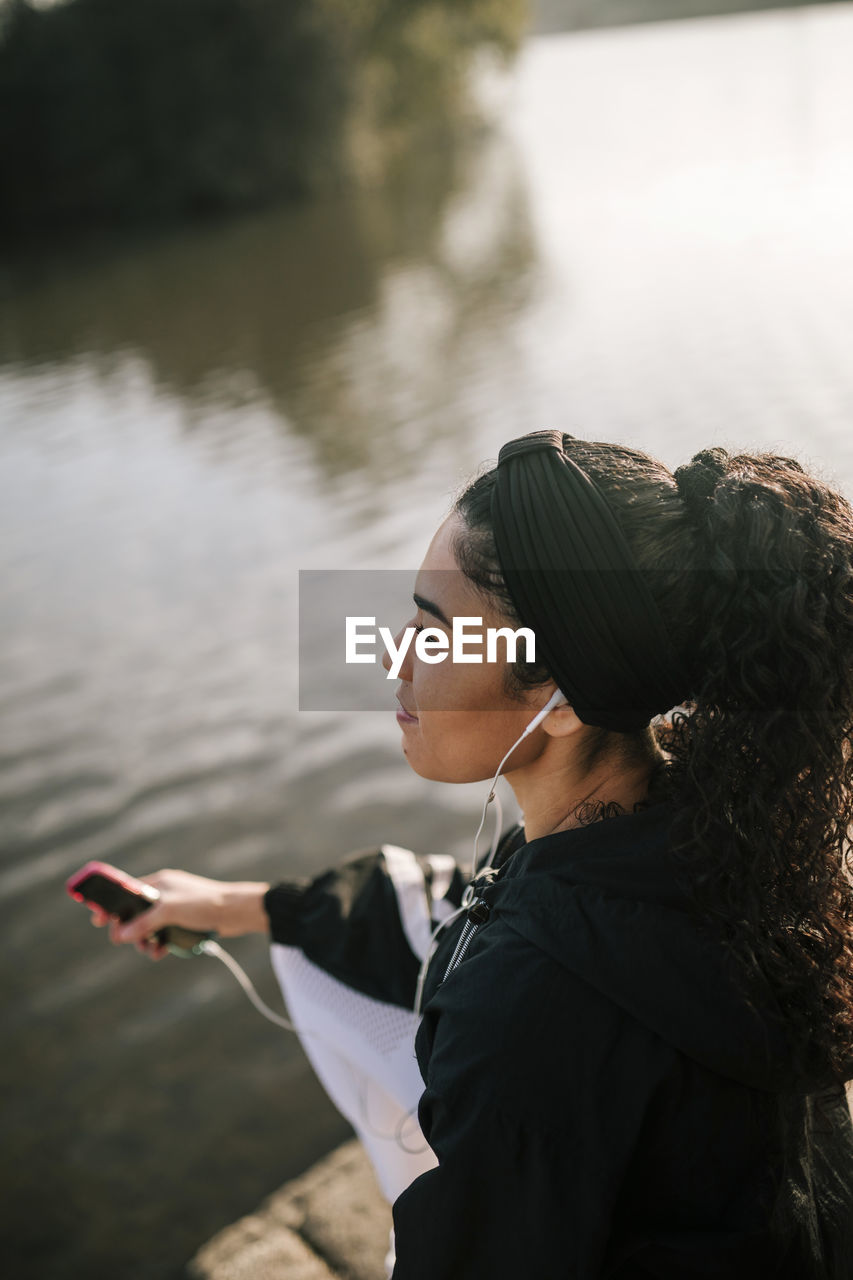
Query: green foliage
pixel 138 110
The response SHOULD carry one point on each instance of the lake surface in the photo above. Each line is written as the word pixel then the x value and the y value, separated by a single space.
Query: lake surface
pixel 651 244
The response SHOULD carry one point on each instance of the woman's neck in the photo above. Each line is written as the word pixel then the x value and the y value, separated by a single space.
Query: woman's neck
pixel 557 793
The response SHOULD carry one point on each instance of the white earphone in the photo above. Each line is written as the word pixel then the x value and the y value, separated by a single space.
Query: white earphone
pixel 557 699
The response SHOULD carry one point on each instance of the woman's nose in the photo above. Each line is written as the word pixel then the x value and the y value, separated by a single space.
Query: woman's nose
pixel 386 657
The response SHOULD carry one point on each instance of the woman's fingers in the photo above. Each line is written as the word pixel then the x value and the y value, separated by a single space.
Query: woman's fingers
pixel 139 928
pixel 139 931
pixel 151 948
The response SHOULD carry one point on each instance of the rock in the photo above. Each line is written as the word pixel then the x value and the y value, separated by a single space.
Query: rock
pixel 331 1222
pixel 256 1249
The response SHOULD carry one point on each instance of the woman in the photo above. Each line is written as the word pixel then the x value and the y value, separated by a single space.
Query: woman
pixel 635 1038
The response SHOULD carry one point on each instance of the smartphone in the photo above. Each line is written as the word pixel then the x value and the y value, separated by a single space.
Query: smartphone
pixel 100 885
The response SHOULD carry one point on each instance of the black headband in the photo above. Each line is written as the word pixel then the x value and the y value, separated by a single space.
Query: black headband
pixel 573 579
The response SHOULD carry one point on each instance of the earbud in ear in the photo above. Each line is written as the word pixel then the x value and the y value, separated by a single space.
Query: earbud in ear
pixel 557 699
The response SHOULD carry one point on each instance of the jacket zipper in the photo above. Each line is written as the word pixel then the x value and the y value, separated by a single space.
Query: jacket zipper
pixel 478 913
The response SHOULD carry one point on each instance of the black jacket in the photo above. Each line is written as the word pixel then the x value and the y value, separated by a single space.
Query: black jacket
pixel 602 1098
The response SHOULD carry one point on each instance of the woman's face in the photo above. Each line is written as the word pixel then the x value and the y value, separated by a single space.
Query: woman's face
pixel 458 721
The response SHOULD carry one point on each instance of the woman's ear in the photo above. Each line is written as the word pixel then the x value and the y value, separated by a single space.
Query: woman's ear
pixel 562 722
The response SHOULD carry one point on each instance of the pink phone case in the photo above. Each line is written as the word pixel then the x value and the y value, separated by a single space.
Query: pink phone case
pixel 121 878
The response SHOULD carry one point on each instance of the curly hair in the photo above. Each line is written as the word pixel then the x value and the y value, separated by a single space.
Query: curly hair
pixel 750 562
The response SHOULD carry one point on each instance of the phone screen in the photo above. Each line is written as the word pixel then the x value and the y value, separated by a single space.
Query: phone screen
pixel 112 897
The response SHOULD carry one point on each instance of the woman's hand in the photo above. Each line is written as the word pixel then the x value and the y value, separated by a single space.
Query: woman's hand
pixel 218 906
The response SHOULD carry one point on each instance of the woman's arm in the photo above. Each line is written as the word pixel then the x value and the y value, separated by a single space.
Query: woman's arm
pixel 367 922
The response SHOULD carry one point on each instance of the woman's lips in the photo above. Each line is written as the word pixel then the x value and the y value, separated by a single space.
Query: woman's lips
pixel 404 716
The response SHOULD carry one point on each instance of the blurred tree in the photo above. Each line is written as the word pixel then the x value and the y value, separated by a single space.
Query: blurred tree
pixel 139 110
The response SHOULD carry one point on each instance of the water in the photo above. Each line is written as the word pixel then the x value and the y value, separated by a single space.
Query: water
pixel 651 245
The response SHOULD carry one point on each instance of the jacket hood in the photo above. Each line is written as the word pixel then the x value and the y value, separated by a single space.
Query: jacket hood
pixel 604 902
